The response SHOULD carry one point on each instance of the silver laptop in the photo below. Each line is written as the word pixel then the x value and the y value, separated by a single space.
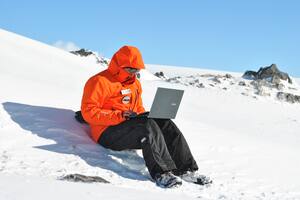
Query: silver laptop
pixel 166 103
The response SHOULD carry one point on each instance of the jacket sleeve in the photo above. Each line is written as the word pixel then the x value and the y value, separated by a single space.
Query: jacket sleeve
pixel 140 107
pixel 94 96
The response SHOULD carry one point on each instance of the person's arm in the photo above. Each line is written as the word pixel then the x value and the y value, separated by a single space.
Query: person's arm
pixel 94 95
pixel 140 106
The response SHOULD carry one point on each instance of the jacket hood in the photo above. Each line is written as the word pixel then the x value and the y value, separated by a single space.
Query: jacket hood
pixel 127 56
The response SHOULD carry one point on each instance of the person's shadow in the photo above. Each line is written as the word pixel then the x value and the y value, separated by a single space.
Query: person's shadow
pixel 71 137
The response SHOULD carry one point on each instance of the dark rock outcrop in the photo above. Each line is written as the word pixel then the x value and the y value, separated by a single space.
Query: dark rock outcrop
pixel 288 97
pixel 83 178
pixel 194 80
pixel 160 75
pixel 85 53
pixel 228 76
pixel 270 73
pixel 242 83
pixel 82 52
pixel 250 75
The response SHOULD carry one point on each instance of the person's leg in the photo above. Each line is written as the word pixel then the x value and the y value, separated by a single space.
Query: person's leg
pixel 181 154
pixel 140 133
pixel 177 146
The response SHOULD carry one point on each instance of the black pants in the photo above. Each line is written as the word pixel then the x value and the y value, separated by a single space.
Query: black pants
pixel 163 145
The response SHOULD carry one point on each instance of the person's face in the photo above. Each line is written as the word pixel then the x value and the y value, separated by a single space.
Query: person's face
pixel 131 70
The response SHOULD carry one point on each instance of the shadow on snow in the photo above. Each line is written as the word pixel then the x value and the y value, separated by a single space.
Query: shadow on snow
pixel 72 138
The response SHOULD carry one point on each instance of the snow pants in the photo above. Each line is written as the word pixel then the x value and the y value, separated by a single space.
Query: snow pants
pixel 163 145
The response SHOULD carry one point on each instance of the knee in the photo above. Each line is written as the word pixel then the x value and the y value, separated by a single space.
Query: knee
pixel 150 122
pixel 145 122
pixel 163 123
pixel 152 127
pixel 147 126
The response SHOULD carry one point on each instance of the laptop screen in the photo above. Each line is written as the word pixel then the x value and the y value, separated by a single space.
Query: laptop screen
pixel 166 103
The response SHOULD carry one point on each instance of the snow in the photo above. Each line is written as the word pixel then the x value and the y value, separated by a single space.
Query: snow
pixel 298 80
pixel 248 146
pixel 29 188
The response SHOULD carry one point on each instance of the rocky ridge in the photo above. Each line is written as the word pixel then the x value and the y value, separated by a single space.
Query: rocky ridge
pixel 267 82
pixel 87 53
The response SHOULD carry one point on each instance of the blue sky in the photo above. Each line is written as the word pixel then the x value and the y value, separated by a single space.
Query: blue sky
pixel 223 35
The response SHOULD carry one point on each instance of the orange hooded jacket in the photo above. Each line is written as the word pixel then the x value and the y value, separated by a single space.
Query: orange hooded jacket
pixel 107 94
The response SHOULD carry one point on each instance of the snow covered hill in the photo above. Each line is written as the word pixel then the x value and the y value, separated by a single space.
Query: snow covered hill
pixel 248 146
pixel 298 80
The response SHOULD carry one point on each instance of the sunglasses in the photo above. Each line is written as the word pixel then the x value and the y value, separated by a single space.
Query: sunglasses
pixel 131 70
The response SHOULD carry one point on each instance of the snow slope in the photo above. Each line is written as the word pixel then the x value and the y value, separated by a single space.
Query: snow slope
pixel 248 146
pixel 298 80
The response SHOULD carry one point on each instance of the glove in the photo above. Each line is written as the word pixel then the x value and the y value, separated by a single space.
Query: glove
pixel 129 114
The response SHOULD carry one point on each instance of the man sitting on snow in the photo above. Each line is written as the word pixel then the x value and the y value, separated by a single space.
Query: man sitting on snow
pixel 109 101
